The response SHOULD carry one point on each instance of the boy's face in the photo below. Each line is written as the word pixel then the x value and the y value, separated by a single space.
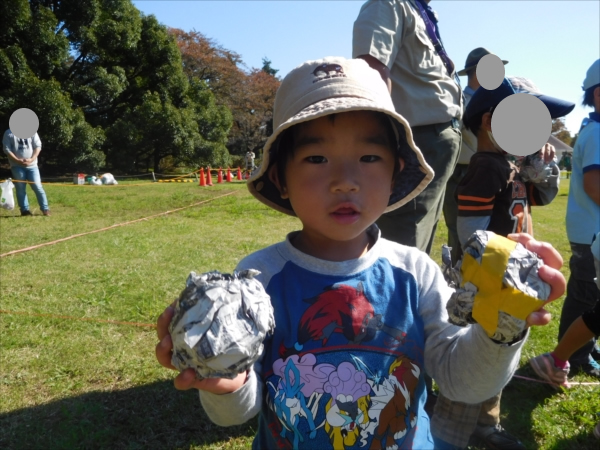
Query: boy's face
pixel 339 181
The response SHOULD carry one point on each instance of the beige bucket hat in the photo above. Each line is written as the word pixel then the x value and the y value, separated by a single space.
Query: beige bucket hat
pixel 329 86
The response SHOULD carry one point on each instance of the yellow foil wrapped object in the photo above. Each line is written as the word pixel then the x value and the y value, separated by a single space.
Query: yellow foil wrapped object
pixel 493 296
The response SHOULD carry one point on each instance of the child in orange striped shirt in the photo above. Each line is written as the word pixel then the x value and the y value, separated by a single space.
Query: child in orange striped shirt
pixel 494 195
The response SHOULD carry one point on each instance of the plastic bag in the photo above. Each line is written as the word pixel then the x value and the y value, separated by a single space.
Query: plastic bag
pixel 220 323
pixel 95 181
pixel 7 199
pixel 108 178
pixel 533 168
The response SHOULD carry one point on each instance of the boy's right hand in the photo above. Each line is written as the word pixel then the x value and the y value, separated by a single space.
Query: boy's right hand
pixel 187 379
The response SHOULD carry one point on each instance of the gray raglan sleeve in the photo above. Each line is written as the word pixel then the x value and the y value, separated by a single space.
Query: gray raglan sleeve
pixel 546 190
pixel 36 141
pixel 238 407
pixel 7 143
pixel 465 363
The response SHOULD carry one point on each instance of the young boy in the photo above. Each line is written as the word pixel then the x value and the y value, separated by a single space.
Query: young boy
pixel 493 196
pixel 359 319
pixel 554 366
pixel 583 222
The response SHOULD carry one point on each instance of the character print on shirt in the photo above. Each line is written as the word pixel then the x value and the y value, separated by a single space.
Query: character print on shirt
pixel 393 402
pixel 347 409
pixel 518 207
pixel 340 309
pixel 299 379
pixel 23 144
pixel 351 405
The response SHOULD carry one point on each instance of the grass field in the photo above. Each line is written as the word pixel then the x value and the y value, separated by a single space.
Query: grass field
pixel 71 383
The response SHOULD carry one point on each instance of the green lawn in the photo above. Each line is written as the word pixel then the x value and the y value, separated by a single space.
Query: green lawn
pixel 68 383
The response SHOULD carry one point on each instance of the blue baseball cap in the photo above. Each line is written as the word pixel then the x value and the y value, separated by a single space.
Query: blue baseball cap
pixel 485 99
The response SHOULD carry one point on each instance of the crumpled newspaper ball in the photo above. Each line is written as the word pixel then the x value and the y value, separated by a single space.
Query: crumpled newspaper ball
pixel 533 168
pixel 520 274
pixel 220 323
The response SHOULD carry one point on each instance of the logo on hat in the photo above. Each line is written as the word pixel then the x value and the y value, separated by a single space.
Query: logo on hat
pixel 326 71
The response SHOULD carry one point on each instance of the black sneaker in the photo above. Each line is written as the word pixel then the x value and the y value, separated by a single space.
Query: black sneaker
pixel 497 438
pixel 26 213
pixel 595 353
pixel 591 368
pixel 430 403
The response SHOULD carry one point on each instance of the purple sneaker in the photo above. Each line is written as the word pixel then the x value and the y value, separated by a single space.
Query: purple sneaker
pixel 546 369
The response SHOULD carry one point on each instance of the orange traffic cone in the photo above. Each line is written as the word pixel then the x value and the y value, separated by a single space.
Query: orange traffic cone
pixel 228 175
pixel 239 174
pixel 220 175
pixel 208 177
pixel 202 181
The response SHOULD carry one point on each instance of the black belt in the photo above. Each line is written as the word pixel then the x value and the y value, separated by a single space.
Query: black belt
pixel 454 123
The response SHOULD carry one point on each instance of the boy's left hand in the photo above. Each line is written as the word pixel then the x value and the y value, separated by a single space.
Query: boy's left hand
pixel 187 378
pixel 547 153
pixel 549 273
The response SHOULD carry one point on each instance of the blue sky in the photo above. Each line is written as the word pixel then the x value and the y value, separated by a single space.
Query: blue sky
pixel 551 42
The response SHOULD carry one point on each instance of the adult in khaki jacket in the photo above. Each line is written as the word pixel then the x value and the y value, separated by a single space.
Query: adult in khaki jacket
pixel 391 36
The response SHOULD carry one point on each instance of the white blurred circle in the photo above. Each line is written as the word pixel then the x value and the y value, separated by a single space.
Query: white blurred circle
pixel 490 72
pixel 521 124
pixel 23 123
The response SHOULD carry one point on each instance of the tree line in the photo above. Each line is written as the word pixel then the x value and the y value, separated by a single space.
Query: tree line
pixel 115 89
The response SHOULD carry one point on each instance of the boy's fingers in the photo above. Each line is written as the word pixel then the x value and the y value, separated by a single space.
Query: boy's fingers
pixel 163 321
pixel 540 317
pixel 185 380
pixel 163 352
pixel 544 250
pixel 555 279
pixel 221 385
pixel 548 152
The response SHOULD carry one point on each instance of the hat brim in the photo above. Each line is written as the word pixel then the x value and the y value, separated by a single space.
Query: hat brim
pixel 464 71
pixel 556 106
pixel 415 176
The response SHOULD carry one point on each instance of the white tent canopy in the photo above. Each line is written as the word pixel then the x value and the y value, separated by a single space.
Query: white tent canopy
pixel 560 146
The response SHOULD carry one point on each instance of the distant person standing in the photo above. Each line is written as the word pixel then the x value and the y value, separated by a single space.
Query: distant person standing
pixel 22 155
pixel 583 222
pixel 566 163
pixel 401 40
pixel 467 149
pixel 250 160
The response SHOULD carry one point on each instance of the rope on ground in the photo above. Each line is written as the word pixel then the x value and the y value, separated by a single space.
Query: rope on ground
pixel 571 383
pixel 83 319
pixel 22 250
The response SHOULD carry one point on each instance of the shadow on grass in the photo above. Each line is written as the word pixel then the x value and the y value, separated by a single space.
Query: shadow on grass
pixel 519 399
pixel 153 416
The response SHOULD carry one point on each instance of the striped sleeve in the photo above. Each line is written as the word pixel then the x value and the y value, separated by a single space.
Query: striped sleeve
pixel 477 192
